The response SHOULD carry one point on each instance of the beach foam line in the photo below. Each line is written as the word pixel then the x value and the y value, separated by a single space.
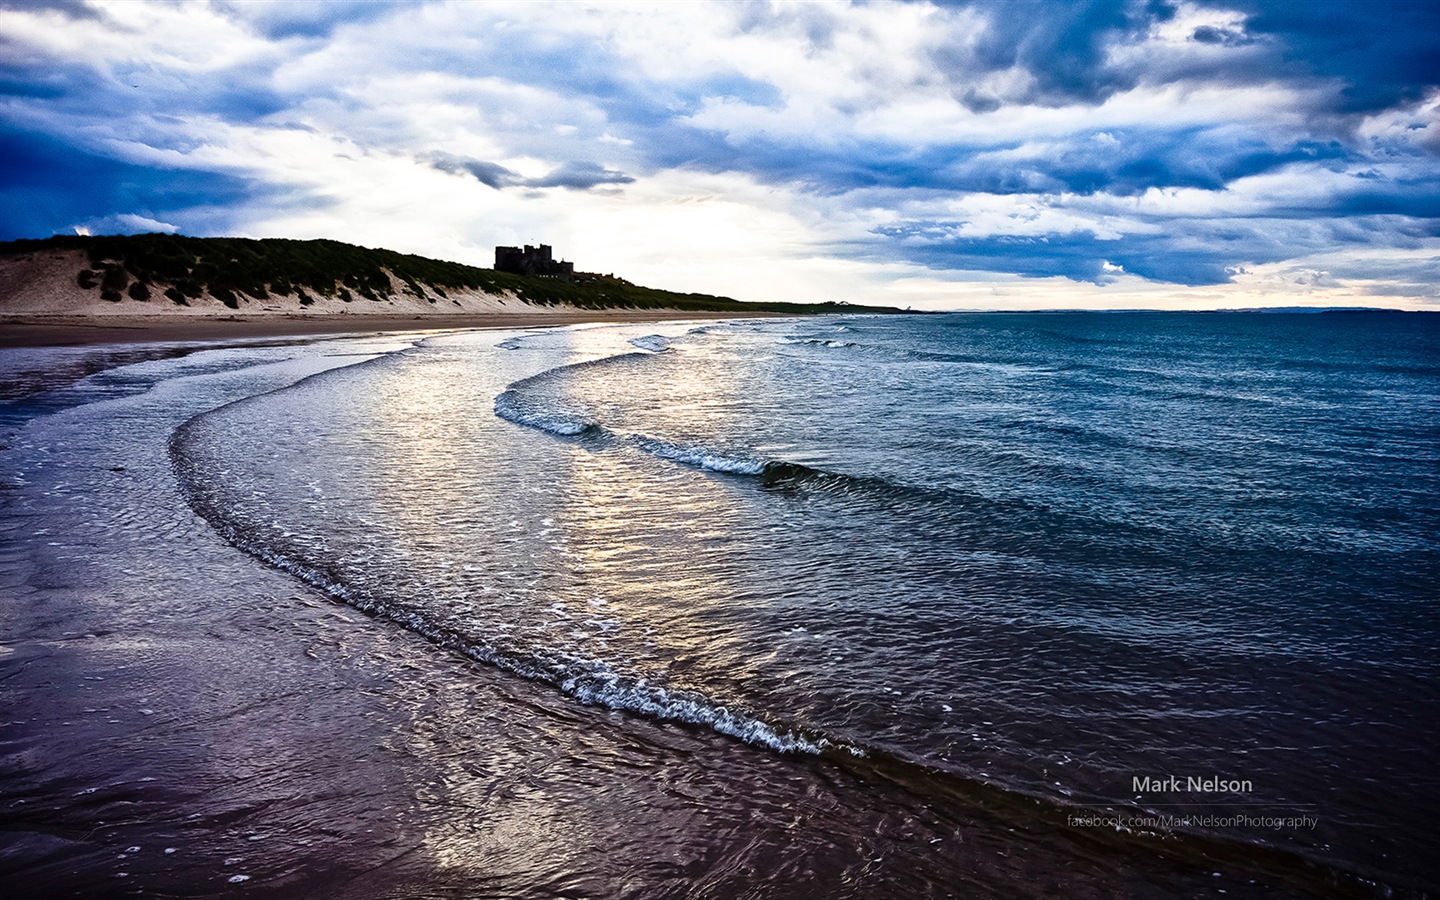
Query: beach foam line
pixel 655 343
pixel 511 406
pixel 700 457
pixel 515 405
pixel 906 354
pixel 590 681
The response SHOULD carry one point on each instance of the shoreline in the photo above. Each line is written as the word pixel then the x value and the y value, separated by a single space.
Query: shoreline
pixel 70 331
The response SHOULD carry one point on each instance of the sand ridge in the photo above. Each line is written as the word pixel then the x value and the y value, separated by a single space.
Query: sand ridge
pixel 46 282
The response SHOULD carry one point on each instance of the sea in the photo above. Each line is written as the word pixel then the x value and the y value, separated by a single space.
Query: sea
pixel 971 604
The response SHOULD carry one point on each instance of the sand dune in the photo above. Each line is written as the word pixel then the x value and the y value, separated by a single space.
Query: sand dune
pixel 42 302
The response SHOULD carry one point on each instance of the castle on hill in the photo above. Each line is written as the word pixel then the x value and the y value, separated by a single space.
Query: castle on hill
pixel 534 261
pixel 540 262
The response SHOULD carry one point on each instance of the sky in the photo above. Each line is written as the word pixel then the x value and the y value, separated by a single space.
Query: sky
pixel 978 155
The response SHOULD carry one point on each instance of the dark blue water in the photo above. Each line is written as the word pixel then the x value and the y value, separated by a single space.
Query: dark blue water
pixel 1039 556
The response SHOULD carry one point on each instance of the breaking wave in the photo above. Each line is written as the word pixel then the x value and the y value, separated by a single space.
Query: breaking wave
pixel 701 457
pixel 655 343
pixel 512 406
pixel 873 352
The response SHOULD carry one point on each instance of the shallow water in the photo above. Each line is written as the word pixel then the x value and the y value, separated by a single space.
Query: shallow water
pixel 925 588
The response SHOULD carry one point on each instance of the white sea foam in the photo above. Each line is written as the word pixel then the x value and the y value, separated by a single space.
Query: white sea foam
pixel 588 680
pixel 655 343
pixel 510 407
pixel 601 686
pixel 700 457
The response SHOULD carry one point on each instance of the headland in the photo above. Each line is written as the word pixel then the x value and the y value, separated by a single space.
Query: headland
pixel 75 289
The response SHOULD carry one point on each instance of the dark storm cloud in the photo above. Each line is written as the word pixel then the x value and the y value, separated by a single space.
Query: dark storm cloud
pixel 1082 257
pixel 1201 260
pixel 1123 163
pixel 575 175
pixel 47 186
pixel 489 174
pixel 580 176
pixel 1385 53
pixel 1061 45
pixel 1228 37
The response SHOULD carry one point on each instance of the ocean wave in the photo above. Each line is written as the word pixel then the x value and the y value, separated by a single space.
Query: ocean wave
pixel 518 404
pixel 593 681
pixel 515 404
pixel 906 354
pixel 773 474
pixel 596 684
pixel 513 407
pixel 655 343
pixel 818 342
pixel 700 457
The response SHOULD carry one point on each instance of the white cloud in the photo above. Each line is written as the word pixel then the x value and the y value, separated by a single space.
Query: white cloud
pixel 125 223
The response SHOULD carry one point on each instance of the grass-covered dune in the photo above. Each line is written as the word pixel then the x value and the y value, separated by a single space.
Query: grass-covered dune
pixel 281 273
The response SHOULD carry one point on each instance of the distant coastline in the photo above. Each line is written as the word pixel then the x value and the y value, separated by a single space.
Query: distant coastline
pixel 80 288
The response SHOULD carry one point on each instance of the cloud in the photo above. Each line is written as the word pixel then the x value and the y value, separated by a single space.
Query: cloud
pixel 48 186
pixel 126 223
pixel 1213 34
pixel 576 175
pixel 580 176
pixel 1060 47
pixel 1109 143
pixel 492 175
pixel 1384 54
pixel 70 9
pixel 281 19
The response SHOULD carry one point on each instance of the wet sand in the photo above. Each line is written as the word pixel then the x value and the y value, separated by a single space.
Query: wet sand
pixel 53 331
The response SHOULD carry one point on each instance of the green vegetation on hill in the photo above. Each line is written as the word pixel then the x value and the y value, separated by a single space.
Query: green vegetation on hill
pixel 229 268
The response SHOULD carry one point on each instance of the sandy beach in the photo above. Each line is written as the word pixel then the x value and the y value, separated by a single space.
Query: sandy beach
pixel 54 331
